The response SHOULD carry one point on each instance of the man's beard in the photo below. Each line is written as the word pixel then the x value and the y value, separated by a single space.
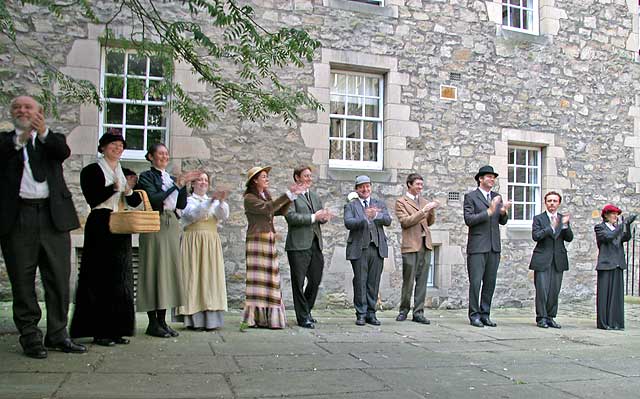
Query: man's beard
pixel 23 123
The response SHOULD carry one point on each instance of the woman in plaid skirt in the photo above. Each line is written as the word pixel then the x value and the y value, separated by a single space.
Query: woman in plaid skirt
pixel 263 305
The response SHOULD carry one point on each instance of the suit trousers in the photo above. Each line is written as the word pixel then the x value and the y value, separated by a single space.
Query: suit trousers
pixel 547 285
pixel 366 281
pixel 307 264
pixel 483 270
pixel 34 243
pixel 415 269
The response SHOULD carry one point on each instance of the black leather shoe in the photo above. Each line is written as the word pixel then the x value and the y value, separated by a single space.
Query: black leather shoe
pixel 169 330
pixel 487 322
pixel 307 324
pixel 476 323
pixel 121 341
pixel 314 321
pixel 401 317
pixel 421 319
pixel 157 331
pixel 360 321
pixel 552 323
pixel 373 320
pixel 35 351
pixel 104 342
pixel 542 324
pixel 67 346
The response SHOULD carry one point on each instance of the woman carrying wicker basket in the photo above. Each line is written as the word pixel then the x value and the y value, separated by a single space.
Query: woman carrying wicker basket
pixel 104 297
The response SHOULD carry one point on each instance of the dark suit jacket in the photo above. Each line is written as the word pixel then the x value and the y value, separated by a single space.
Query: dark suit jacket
pixel 301 230
pixel 151 182
pixel 357 223
pixel 550 246
pixel 610 248
pixel 484 231
pixel 63 212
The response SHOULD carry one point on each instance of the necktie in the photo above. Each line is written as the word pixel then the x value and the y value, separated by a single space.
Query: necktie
pixel 489 197
pixel 35 161
pixel 366 203
pixel 308 197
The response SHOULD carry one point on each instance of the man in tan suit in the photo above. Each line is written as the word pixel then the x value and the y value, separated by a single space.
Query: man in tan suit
pixel 415 215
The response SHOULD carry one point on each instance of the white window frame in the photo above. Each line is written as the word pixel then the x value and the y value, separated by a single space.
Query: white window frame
pixel 102 125
pixel 431 281
pixel 379 3
pixel 537 199
pixel 535 23
pixel 363 165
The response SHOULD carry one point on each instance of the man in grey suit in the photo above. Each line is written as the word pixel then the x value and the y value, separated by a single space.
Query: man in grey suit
pixel 365 219
pixel 549 260
pixel 304 246
pixel 484 212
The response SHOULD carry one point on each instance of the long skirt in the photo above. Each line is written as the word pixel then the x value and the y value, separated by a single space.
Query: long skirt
pixel 263 305
pixel 610 299
pixel 203 276
pixel 159 274
pixel 104 296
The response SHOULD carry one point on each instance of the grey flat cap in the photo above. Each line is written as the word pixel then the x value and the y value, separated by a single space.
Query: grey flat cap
pixel 362 179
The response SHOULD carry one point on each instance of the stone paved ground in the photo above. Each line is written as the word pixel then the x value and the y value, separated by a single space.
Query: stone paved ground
pixel 448 359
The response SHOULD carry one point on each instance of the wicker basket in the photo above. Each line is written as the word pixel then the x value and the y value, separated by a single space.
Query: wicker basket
pixel 134 221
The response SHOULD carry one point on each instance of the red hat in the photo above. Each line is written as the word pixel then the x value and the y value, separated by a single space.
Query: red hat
pixel 610 208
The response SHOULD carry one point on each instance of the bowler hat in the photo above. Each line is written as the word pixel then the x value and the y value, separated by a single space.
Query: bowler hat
pixel 110 136
pixel 362 179
pixel 485 170
pixel 251 173
pixel 610 208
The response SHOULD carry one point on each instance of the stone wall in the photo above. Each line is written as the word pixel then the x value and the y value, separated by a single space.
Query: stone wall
pixel 571 91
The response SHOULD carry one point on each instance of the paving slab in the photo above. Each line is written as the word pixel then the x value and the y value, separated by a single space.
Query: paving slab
pixel 153 363
pixel 300 362
pixel 618 388
pixel 371 347
pixel 417 359
pixel 29 385
pixel 548 372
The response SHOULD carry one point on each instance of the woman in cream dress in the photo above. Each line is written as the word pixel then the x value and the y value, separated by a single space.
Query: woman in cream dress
pixel 202 261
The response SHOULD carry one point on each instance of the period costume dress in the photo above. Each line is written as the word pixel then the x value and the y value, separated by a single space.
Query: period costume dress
pixel 203 264
pixel 104 297
pixel 263 304
pixel 159 275
pixel 610 266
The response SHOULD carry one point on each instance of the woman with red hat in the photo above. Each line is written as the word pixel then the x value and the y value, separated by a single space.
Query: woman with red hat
pixel 610 235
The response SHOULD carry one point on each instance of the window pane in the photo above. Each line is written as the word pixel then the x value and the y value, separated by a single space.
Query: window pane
pixel 156 116
pixel 353 129
pixel 353 150
pixel 155 67
pixel 337 105
pixel 373 87
pixel 512 156
pixel 370 130
pixel 335 129
pixel 518 212
pixel 338 83
pixel 115 62
pixel 527 19
pixel 515 17
pixel 335 149
pixel 135 89
pixel 371 107
pixel 533 157
pixel 510 177
pixel 114 86
pixel 137 65
pixel 527 3
pixel 113 113
pixel 530 191
pixel 530 210
pixel 518 194
pixel 521 175
pixel 370 152
pixel 533 176
pixel 135 139
pixel 515 2
pixel 354 106
pixel 355 85
pixel 505 15
pixel 135 114
pixel 155 136
pixel 520 157
pixel 155 90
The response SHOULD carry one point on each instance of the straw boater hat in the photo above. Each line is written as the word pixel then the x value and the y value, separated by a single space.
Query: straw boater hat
pixel 610 208
pixel 251 173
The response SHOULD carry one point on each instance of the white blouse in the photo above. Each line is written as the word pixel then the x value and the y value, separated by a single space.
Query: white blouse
pixel 201 207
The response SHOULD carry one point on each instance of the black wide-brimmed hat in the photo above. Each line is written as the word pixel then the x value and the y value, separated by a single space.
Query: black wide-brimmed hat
pixel 485 170
pixel 110 136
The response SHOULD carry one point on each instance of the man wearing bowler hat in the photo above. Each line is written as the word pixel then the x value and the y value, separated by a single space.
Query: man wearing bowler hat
pixel 365 219
pixel 484 212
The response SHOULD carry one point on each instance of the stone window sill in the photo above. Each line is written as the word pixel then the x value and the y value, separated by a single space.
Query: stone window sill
pixel 348 5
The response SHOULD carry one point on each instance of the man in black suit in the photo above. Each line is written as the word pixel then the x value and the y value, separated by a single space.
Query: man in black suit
pixel 549 260
pixel 365 219
pixel 484 212
pixel 304 246
pixel 36 215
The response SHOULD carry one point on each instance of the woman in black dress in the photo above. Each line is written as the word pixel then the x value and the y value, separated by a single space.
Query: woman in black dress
pixel 104 297
pixel 610 236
